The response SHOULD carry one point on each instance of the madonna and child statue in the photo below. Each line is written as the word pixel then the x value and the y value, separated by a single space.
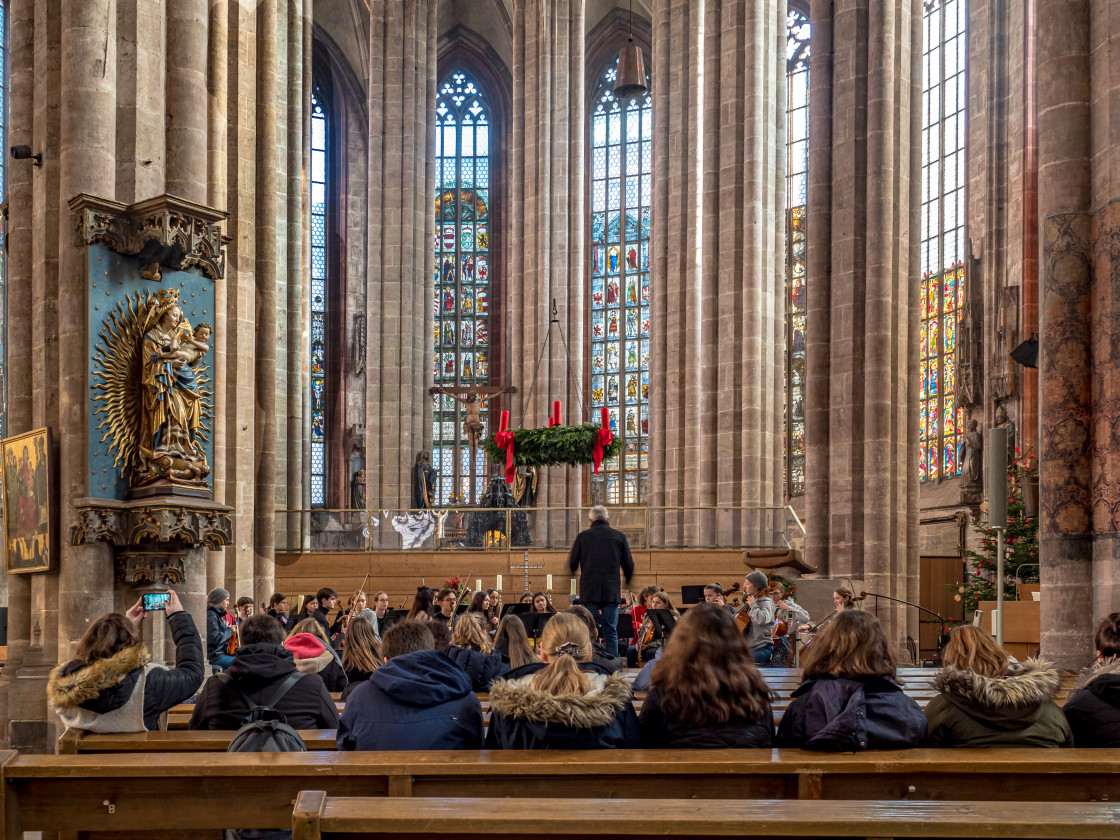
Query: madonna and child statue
pixel 153 394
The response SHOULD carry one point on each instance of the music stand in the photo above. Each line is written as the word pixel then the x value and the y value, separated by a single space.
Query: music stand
pixel 534 622
pixel 462 608
pixel 625 628
pixel 516 609
pixel 390 618
pixel 692 594
pixel 663 620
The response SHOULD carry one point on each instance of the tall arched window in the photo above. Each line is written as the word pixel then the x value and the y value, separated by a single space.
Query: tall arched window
pixel 4 221
pixel 797 169
pixel 462 280
pixel 621 192
pixel 320 236
pixel 943 237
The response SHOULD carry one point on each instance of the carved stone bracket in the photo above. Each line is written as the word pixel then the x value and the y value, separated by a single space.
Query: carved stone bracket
pixel 156 567
pixel 171 231
pixel 192 523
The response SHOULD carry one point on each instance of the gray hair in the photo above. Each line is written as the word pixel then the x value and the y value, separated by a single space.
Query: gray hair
pixel 598 512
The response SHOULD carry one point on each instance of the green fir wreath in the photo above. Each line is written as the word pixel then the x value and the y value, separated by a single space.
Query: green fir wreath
pixel 571 445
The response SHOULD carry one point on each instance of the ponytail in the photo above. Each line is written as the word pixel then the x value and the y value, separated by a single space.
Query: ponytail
pixel 562 676
pixel 566 641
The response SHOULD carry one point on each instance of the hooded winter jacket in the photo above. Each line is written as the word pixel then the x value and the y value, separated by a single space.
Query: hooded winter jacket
pixel 218 632
pixel 660 730
pixel 482 668
pixel 525 718
pixel 126 693
pixel 1093 711
pixel 848 715
pixel 257 670
pixel 1012 711
pixel 314 657
pixel 416 701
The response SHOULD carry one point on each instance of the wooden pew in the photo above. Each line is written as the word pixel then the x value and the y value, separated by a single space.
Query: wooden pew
pixel 209 791
pixel 317 816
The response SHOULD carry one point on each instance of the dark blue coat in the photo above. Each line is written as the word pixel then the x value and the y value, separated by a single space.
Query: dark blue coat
pixel 842 715
pixel 482 668
pixel 417 701
pixel 1093 711
pixel 599 554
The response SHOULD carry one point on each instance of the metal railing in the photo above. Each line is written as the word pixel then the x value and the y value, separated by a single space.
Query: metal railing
pixel 516 529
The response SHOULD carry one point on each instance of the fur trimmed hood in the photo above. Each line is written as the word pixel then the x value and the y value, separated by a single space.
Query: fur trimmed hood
pixel 517 699
pixel 1109 667
pixel 74 684
pixel 1032 684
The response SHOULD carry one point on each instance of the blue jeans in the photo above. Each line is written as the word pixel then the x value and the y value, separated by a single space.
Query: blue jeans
pixel 762 655
pixel 606 618
pixel 222 662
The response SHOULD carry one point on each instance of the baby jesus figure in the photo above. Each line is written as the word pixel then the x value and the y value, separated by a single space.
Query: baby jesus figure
pixel 191 346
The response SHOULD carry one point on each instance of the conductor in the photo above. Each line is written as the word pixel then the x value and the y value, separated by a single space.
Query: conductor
pixel 599 554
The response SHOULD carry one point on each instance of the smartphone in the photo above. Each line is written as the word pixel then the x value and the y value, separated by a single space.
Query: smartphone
pixel 156 600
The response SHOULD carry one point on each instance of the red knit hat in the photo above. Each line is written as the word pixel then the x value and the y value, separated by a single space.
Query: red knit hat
pixel 305 645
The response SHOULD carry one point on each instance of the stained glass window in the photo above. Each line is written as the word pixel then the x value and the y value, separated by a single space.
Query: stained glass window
pixel 621 130
pixel 463 283
pixel 941 420
pixel 319 239
pixel 797 168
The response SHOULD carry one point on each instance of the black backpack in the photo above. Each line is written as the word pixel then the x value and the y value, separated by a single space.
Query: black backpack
pixel 264 729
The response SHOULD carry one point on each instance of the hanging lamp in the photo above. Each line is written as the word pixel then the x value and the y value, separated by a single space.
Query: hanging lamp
pixel 630 80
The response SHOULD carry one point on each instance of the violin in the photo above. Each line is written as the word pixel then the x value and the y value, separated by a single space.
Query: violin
pixel 232 644
pixel 742 615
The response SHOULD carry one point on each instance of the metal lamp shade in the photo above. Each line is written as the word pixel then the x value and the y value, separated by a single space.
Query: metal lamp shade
pixel 631 79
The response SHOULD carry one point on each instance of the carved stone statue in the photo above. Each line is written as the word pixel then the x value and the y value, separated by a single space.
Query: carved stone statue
pixel 358 490
pixel 1004 422
pixel 973 456
pixel 423 481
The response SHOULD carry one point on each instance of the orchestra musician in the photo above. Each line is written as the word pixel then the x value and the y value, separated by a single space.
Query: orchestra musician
pixel 760 609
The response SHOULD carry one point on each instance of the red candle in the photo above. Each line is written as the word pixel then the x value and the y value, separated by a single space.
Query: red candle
pixel 503 423
pixel 604 418
pixel 556 412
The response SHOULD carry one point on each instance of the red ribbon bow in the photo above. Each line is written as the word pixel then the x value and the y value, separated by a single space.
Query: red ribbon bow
pixel 504 440
pixel 603 439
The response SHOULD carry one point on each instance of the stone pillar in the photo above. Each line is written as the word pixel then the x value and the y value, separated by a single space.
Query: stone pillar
pixel 865 97
pixel 187 99
pixel 401 102
pixel 717 278
pixel 1064 202
pixel 546 229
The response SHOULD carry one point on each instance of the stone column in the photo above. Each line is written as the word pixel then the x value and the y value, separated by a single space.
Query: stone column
pixel 546 229
pixel 401 102
pixel 187 99
pixel 862 265
pixel 1064 201
pixel 717 273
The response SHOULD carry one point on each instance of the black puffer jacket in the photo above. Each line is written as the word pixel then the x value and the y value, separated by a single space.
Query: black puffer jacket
pixel 523 718
pixel 599 554
pixel 217 632
pixel 1017 710
pixel 82 693
pixel 482 668
pixel 842 715
pixel 1093 711
pixel 258 670
pixel 662 731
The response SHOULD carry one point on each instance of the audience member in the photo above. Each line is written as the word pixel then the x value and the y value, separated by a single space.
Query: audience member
pixel 849 698
pixel 512 642
pixel 327 599
pixel 218 630
pixel 441 636
pixel 259 666
pixel 445 614
pixel 362 654
pixel 314 655
pixel 470 649
pixel 706 691
pixel 418 700
pixel 278 609
pixel 422 605
pixel 563 702
pixel 983 704
pixel 111 685
pixel 599 654
pixel 1093 711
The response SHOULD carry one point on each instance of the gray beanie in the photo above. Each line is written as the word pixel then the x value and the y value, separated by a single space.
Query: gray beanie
pixel 758 580
pixel 217 595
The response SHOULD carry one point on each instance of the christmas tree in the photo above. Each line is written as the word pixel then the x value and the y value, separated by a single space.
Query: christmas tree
pixel 1020 556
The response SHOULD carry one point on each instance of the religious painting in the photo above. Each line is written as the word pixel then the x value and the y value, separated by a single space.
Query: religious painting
pixel 28 481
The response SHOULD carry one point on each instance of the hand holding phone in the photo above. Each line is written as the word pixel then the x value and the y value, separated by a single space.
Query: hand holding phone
pixel 155 601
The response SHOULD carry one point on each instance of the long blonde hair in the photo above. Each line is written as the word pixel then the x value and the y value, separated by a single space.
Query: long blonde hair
pixel 566 642
pixel 470 631
pixel 520 652
pixel 362 651
pixel 971 649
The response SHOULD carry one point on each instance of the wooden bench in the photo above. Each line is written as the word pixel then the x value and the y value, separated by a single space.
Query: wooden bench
pixel 207 791
pixel 317 816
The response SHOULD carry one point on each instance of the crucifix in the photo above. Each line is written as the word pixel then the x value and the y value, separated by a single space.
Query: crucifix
pixel 525 567
pixel 472 397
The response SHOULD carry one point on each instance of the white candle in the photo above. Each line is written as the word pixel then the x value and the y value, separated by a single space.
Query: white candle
pixel 478 585
pixel 573 586
pixel 498 585
pixel 548 582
